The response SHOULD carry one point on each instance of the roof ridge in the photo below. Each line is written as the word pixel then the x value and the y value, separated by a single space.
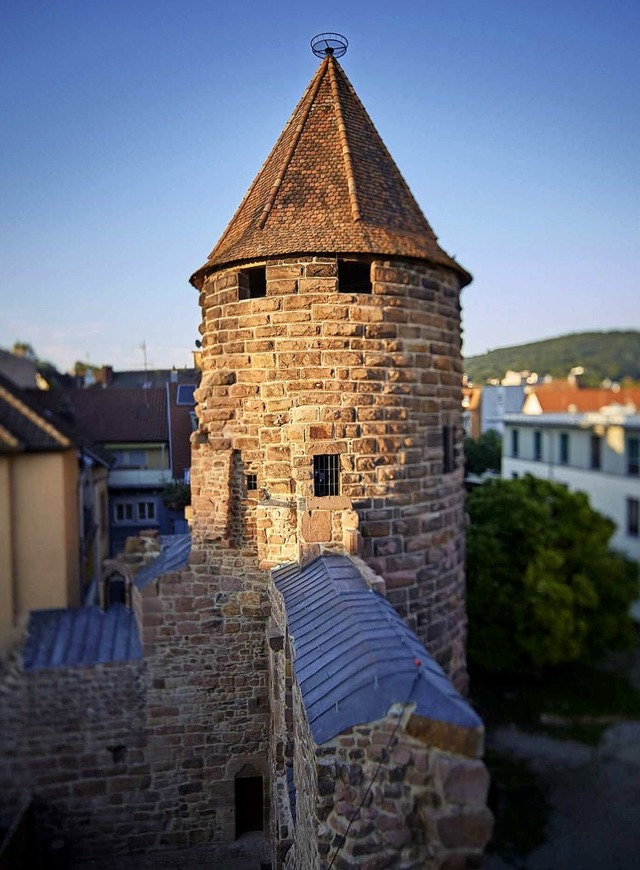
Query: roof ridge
pixel 257 178
pixel 33 416
pixel 344 141
pixel 387 153
pixel 275 187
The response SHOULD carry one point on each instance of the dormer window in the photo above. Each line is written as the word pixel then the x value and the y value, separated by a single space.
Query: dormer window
pixel 354 277
pixel 253 283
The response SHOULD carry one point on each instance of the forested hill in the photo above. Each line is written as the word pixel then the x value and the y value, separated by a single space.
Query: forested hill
pixel 614 355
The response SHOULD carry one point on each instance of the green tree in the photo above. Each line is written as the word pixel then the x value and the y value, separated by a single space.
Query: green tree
pixel 544 587
pixel 483 453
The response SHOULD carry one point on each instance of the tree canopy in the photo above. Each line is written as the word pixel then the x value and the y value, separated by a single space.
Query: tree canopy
pixel 544 587
pixel 483 453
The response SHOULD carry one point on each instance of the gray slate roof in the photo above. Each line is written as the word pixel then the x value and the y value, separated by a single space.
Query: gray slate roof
pixel 171 558
pixel 354 656
pixel 81 636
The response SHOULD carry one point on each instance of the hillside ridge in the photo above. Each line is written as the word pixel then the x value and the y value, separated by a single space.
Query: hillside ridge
pixel 612 354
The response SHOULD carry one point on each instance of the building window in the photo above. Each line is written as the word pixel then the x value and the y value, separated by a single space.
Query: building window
pixel 123 512
pixel 537 445
pixel 633 456
pixel 184 395
pixel 564 448
pixel 633 517
pixel 252 482
pixel 596 449
pixel 253 283
pixel 515 443
pixel 354 277
pixel 448 454
pixel 135 511
pixel 326 474
pixel 146 510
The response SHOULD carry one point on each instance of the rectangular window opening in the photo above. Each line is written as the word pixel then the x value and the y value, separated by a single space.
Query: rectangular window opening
pixel 633 517
pixel 354 277
pixel 185 393
pixel 595 452
pixel 146 510
pixel 633 456
pixel 252 482
pixel 135 511
pixel 326 474
pixel 253 283
pixel 564 448
pixel 448 454
pixel 515 443
pixel 537 446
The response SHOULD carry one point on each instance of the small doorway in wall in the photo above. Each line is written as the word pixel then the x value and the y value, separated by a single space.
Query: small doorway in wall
pixel 249 800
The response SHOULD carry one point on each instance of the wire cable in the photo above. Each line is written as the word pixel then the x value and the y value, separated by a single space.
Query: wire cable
pixel 384 756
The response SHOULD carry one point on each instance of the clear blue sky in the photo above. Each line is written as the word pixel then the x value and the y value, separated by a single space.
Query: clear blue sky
pixel 130 131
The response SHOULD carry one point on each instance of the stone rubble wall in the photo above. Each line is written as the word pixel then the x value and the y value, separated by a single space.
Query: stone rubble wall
pixel 383 799
pixel 143 756
pixel 381 794
pixel 203 632
pixel 75 739
pixel 373 378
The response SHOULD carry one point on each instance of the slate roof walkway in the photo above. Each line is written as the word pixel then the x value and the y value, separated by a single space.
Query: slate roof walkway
pixel 354 655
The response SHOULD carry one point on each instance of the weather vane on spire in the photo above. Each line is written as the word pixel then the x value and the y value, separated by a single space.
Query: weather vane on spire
pixel 329 43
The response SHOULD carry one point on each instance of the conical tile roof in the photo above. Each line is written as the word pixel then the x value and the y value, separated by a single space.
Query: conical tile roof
pixel 328 186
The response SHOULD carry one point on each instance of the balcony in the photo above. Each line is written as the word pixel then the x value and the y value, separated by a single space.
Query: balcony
pixel 138 477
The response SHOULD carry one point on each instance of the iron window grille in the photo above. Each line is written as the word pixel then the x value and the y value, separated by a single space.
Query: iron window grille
pixel 252 482
pixel 326 474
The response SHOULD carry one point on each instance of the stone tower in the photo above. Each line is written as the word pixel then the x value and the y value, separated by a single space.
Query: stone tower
pixel 329 408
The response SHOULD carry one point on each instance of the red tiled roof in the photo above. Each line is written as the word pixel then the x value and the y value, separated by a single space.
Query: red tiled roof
pixel 560 398
pixel 328 186
pixel 112 416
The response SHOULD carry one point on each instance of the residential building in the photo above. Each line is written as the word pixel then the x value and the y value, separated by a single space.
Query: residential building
pixel 596 452
pixel 497 401
pixel 53 503
pixel 146 432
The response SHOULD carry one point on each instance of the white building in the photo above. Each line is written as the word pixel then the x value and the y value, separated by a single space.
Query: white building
pixel 597 453
pixel 497 401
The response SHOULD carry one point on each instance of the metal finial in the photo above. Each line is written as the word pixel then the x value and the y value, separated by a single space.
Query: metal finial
pixel 329 43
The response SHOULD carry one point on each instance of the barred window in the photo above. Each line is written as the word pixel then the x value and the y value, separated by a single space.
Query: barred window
pixel 326 474
pixel 252 482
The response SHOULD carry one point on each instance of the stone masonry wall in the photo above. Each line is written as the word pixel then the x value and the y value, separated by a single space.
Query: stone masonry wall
pixel 373 378
pixel 142 757
pixel 379 795
pixel 75 739
pixel 383 799
pixel 204 642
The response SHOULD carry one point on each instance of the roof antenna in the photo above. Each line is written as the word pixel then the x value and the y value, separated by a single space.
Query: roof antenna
pixel 329 44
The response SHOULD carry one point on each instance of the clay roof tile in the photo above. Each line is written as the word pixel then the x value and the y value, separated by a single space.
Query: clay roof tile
pixel 329 185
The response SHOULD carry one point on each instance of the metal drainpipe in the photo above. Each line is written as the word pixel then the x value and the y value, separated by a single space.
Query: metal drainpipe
pixel 168 388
